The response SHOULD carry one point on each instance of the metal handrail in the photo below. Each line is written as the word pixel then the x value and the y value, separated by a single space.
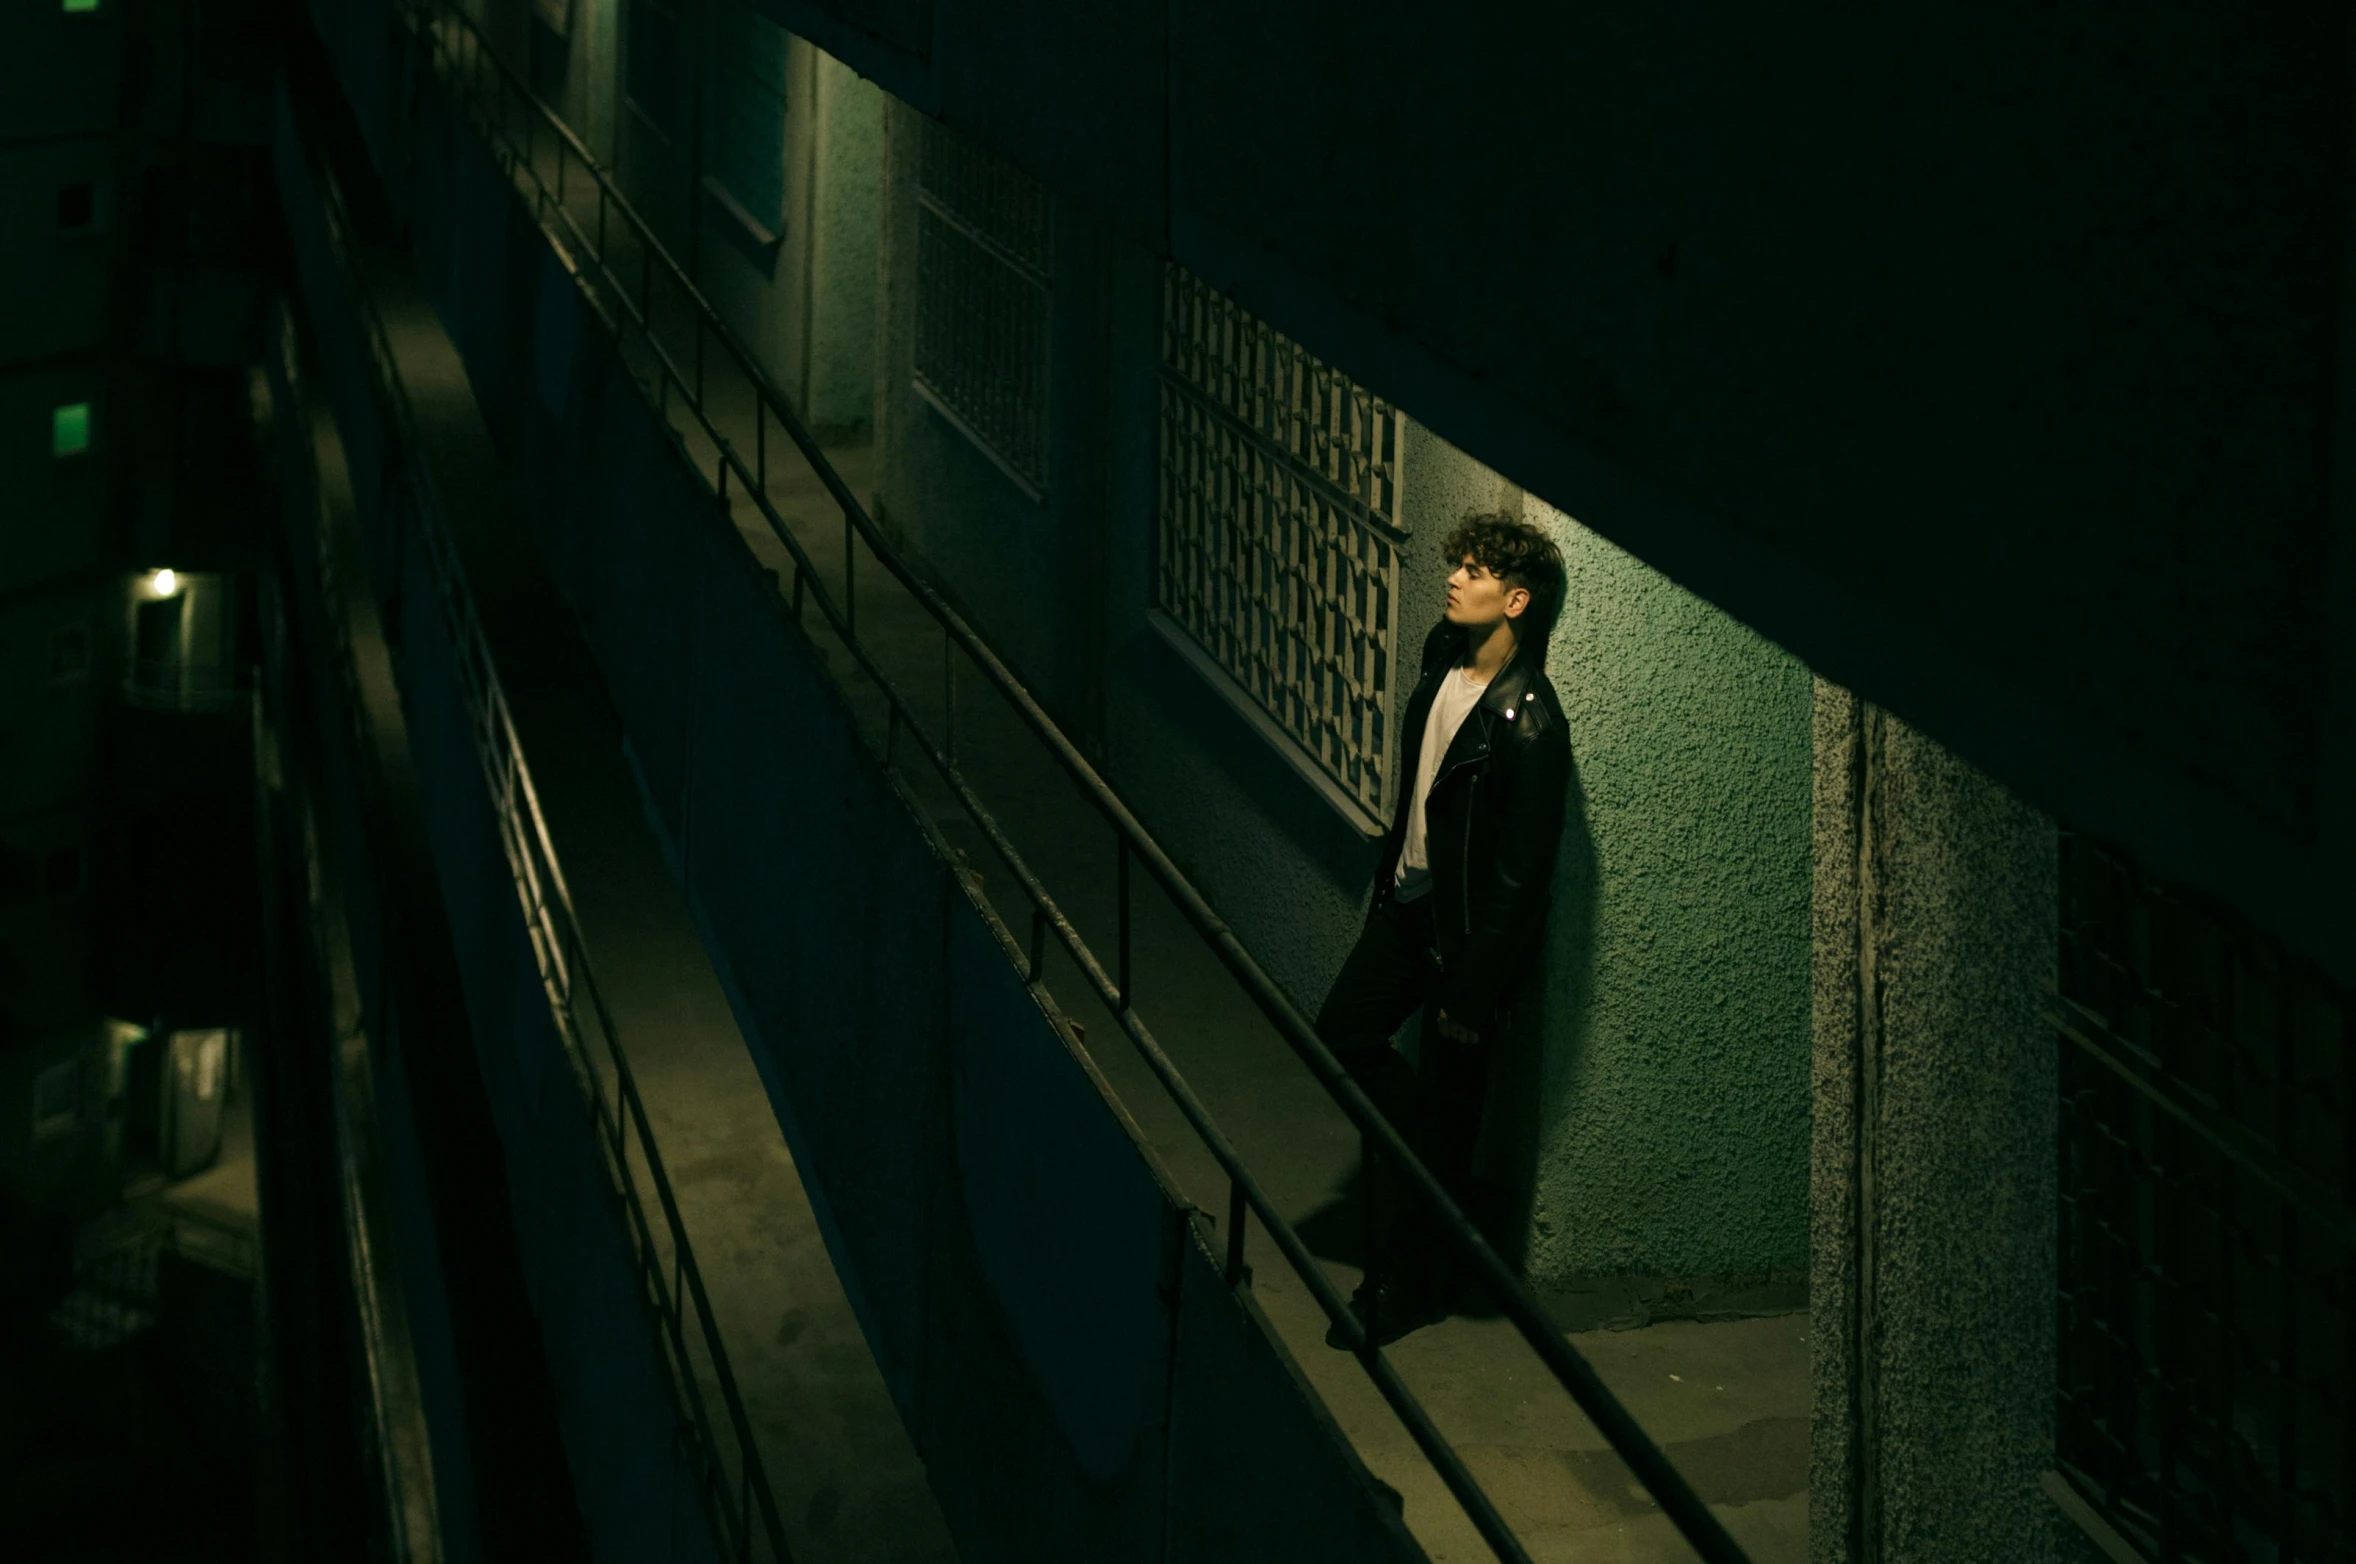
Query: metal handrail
pixel 447 31
pixel 566 971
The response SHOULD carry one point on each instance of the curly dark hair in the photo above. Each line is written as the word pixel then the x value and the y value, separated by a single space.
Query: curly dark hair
pixel 1518 554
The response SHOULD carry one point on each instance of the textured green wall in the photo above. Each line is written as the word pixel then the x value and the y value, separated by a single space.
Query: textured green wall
pixel 1672 1099
pixel 844 231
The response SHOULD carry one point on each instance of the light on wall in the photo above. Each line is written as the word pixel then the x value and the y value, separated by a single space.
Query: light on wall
pixel 163 583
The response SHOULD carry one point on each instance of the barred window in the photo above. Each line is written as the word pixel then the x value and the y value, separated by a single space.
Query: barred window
pixel 744 116
pixel 982 300
pixel 2207 1294
pixel 1279 536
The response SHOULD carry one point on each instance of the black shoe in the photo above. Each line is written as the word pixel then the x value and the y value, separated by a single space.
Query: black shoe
pixel 1387 1311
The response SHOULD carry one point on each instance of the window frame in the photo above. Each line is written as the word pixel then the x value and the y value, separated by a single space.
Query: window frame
pixel 1367 803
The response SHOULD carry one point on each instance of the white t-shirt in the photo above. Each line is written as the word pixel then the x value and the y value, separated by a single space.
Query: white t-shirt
pixel 1451 704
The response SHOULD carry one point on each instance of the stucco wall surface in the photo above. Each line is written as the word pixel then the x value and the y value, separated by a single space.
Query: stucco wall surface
pixel 846 233
pixel 1933 1166
pixel 1674 1121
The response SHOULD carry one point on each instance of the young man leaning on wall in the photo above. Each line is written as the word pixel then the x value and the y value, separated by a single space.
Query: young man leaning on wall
pixel 1460 898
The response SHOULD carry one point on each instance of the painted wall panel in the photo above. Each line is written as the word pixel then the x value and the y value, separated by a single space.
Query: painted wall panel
pixel 1263 1478
pixel 814 905
pixel 1071 1230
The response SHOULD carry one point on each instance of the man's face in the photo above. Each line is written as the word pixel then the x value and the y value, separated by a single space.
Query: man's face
pixel 1479 600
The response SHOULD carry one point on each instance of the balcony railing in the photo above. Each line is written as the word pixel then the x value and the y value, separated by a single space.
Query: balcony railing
pixel 648 301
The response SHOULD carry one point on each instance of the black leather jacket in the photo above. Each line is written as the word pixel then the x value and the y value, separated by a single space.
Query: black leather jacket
pixel 1492 824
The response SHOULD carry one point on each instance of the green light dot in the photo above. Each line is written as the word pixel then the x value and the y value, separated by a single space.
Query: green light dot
pixel 80 5
pixel 69 430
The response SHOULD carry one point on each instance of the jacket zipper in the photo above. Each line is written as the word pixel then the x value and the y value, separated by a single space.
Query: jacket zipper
pixel 1464 872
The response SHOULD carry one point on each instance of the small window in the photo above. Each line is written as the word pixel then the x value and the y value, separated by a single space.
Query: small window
pixel 69 430
pixel 77 206
pixel 69 654
pixel 57 1100
pixel 982 300
pixel 62 873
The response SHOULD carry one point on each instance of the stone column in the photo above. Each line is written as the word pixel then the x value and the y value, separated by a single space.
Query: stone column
pixel 1932 1192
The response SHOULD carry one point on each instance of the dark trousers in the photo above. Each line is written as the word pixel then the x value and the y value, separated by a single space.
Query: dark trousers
pixel 1392 973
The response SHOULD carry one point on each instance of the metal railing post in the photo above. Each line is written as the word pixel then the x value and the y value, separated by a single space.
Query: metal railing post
pixel 1121 896
pixel 1237 1214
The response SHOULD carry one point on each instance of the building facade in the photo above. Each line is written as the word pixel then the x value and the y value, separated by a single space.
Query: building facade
pixel 833 611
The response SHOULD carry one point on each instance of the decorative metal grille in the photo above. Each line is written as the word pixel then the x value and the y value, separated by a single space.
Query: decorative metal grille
pixel 982 299
pixel 2205 1394
pixel 1279 531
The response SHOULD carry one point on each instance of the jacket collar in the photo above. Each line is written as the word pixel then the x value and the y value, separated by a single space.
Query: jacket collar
pixel 1506 690
pixel 1502 700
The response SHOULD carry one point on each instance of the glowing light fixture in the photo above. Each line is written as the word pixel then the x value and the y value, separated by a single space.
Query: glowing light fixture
pixel 164 583
pixel 73 6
